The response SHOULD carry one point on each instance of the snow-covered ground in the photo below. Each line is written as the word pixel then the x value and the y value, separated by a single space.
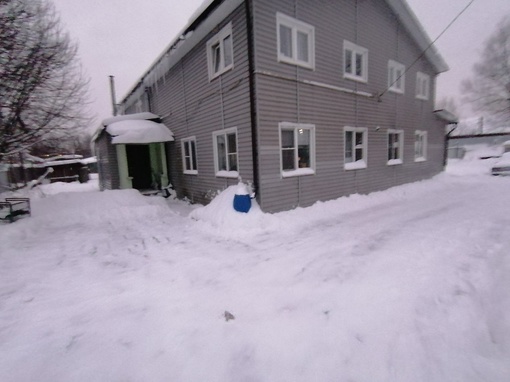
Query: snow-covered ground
pixel 410 284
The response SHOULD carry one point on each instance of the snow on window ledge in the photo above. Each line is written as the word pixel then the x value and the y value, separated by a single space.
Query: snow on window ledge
pixel 420 159
pixel 359 164
pixel 298 172
pixel 354 77
pixel 393 162
pixel 227 174
pixel 190 172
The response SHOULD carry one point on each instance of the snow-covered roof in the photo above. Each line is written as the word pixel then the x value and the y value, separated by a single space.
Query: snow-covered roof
pixel 414 27
pixel 447 116
pixel 199 25
pixel 135 128
pixel 201 9
pixel 59 160
pixel 63 157
pixel 144 115
pixel 211 12
pixel 139 131
pixel 89 160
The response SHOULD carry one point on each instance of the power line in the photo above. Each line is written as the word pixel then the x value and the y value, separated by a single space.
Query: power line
pixel 428 47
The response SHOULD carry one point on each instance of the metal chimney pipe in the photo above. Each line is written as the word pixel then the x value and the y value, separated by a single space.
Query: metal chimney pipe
pixel 112 92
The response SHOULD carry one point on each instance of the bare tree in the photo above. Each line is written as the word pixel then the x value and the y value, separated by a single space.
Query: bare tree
pixel 489 89
pixel 42 90
pixel 72 144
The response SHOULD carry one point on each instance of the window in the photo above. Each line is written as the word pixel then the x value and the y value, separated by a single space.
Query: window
pixel 396 77
pixel 295 41
pixel 355 62
pixel 420 146
pixel 355 154
pixel 220 55
pixel 422 86
pixel 189 156
pixel 297 142
pixel 395 146
pixel 225 153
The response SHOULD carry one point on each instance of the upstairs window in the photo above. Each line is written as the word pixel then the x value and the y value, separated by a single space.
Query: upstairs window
pixel 396 77
pixel 297 142
pixel 355 62
pixel 220 54
pixel 296 41
pixel 422 86
pixel 189 156
pixel 420 146
pixel 355 154
pixel 225 153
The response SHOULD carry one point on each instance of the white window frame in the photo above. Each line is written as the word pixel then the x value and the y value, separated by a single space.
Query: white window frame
pixel 296 127
pixel 363 162
pixel 296 27
pixel 228 173
pixel 356 50
pixel 400 147
pixel 396 70
pixel 193 170
pixel 422 86
pixel 420 146
pixel 218 40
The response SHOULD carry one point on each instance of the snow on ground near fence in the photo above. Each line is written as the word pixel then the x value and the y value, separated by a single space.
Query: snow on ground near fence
pixel 408 284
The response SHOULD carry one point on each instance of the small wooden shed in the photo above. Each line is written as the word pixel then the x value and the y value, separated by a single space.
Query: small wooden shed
pixel 131 152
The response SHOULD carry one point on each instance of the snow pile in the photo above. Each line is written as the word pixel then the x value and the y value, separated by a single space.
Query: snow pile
pixel 43 190
pixel 58 187
pixel 504 161
pixel 471 164
pixel 405 285
pixel 119 208
pixel 221 216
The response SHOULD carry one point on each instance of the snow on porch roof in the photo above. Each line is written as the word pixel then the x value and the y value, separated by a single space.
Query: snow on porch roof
pixel 143 115
pixel 138 131
pixel 447 116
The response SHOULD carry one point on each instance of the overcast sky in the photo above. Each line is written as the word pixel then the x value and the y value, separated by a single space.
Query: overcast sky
pixel 124 37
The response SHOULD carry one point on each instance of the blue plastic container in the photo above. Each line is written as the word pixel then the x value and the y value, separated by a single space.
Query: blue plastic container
pixel 242 203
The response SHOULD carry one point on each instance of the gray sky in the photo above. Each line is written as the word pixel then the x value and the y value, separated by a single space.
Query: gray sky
pixel 124 37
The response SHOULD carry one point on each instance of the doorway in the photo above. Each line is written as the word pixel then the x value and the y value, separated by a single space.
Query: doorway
pixel 139 166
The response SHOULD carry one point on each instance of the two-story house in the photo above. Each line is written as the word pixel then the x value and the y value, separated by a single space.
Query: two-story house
pixel 308 100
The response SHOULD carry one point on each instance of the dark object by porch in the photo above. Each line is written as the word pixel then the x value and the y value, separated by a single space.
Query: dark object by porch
pixel 83 174
pixel 13 208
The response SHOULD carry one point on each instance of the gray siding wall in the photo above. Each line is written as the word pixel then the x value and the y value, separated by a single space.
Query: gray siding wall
pixel 191 105
pixel 282 95
pixel 107 162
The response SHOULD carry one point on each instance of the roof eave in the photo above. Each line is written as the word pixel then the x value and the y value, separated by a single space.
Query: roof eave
pixel 414 27
pixel 181 36
pixel 400 7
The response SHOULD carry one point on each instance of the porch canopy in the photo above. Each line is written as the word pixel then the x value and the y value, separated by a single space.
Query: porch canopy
pixel 138 128
pixel 138 131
